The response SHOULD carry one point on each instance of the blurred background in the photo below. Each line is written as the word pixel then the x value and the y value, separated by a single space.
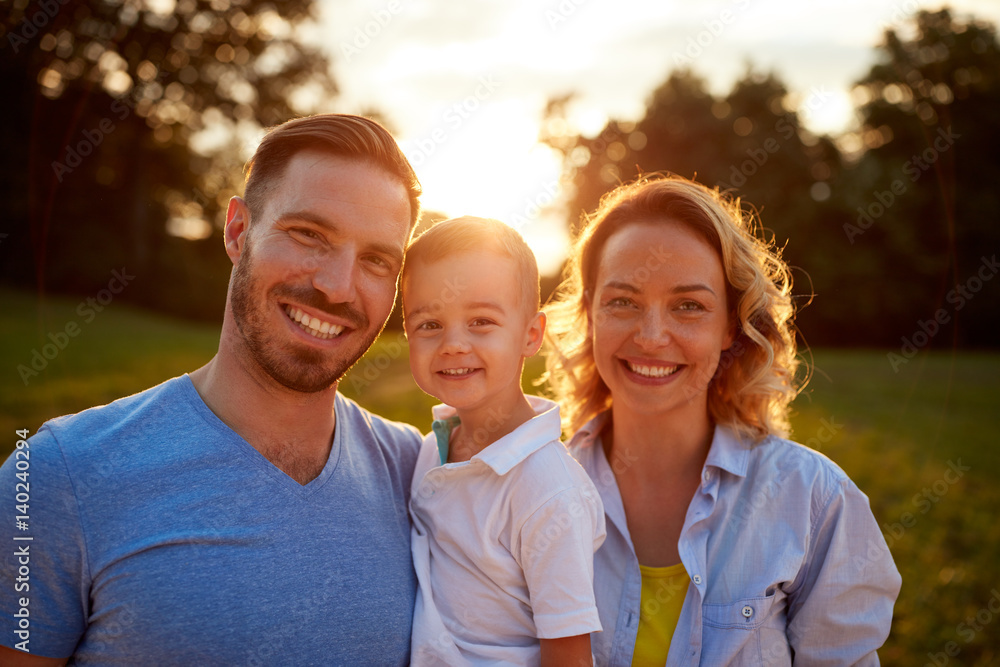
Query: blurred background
pixel 865 135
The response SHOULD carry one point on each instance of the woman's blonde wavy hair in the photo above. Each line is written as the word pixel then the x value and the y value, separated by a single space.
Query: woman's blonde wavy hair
pixel 755 381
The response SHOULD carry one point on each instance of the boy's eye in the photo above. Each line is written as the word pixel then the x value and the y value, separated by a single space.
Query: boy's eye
pixel 482 322
pixel 430 325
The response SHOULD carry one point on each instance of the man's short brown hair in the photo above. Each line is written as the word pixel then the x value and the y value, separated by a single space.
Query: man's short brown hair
pixel 335 134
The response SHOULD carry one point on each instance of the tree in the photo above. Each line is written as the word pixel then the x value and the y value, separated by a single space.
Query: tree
pixel 896 239
pixel 747 143
pixel 106 135
pixel 924 198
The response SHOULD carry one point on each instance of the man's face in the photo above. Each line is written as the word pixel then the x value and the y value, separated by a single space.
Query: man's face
pixel 315 274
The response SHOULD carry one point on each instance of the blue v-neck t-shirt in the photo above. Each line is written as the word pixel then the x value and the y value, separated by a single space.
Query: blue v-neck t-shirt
pixel 160 536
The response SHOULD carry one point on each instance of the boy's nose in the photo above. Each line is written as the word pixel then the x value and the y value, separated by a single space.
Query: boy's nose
pixel 454 342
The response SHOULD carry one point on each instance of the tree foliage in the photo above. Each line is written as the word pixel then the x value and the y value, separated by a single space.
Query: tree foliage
pixel 880 250
pixel 925 187
pixel 127 114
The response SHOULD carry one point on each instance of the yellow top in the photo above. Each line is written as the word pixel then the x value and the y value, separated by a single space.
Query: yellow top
pixel 663 593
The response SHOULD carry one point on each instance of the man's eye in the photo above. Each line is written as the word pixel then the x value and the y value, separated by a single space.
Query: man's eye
pixel 377 261
pixel 305 233
pixel 620 302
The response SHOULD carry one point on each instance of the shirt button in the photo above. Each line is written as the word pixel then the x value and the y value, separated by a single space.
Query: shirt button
pixel 696 579
pixel 707 475
pixel 748 611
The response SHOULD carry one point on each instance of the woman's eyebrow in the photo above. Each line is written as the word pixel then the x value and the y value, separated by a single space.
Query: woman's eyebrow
pixel 693 287
pixel 626 287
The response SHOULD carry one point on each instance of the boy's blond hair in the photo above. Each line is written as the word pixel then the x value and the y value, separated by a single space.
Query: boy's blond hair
pixel 470 234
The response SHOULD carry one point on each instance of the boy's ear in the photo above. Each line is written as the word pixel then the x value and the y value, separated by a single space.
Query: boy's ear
pixel 535 335
pixel 237 226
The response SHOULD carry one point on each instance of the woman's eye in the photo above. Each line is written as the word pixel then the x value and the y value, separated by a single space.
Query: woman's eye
pixel 691 306
pixel 620 301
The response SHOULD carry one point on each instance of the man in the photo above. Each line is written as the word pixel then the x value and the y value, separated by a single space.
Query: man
pixel 246 513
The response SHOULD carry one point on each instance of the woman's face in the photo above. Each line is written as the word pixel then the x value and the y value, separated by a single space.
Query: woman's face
pixel 659 319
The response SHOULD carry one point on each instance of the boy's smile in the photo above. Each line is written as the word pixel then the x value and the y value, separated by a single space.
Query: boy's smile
pixel 467 346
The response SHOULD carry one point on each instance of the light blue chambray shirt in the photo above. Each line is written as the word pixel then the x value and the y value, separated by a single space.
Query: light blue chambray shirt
pixel 786 561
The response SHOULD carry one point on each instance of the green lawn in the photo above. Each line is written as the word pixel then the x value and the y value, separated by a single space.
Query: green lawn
pixel 900 435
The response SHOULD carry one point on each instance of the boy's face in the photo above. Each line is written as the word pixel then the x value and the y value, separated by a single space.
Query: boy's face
pixel 468 329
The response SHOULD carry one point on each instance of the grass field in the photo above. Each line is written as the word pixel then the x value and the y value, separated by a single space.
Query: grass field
pixel 920 442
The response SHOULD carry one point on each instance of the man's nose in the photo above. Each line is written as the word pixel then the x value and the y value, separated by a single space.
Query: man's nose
pixel 335 275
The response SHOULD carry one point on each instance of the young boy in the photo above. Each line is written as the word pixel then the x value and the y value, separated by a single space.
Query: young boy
pixel 505 521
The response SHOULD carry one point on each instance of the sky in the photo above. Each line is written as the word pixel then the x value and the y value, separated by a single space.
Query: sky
pixel 463 85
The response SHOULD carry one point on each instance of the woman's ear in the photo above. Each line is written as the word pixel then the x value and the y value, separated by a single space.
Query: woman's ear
pixel 535 335
pixel 732 332
pixel 237 226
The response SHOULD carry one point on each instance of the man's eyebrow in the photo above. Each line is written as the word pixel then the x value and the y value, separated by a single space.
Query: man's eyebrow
pixel 308 216
pixel 396 252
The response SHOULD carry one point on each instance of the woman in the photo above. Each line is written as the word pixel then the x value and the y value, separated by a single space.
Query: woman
pixel 673 358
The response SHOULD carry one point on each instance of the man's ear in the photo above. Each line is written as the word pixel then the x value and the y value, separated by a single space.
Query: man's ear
pixel 536 333
pixel 237 226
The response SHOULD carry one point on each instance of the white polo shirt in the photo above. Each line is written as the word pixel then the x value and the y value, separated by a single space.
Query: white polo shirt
pixel 503 547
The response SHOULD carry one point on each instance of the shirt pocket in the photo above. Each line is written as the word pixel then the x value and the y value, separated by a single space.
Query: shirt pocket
pixel 749 631
pixel 745 614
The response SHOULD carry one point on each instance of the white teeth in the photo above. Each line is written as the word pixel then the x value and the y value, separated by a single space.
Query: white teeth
pixel 652 371
pixel 313 325
pixel 457 371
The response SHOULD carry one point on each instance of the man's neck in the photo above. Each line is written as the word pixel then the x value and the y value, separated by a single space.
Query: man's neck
pixel 292 430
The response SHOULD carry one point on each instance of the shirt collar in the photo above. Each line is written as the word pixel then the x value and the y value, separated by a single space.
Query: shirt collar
pixel 523 441
pixel 728 451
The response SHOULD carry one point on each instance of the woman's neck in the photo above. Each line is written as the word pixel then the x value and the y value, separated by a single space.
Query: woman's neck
pixel 658 450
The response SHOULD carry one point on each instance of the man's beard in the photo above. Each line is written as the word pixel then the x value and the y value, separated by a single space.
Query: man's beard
pixel 296 367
